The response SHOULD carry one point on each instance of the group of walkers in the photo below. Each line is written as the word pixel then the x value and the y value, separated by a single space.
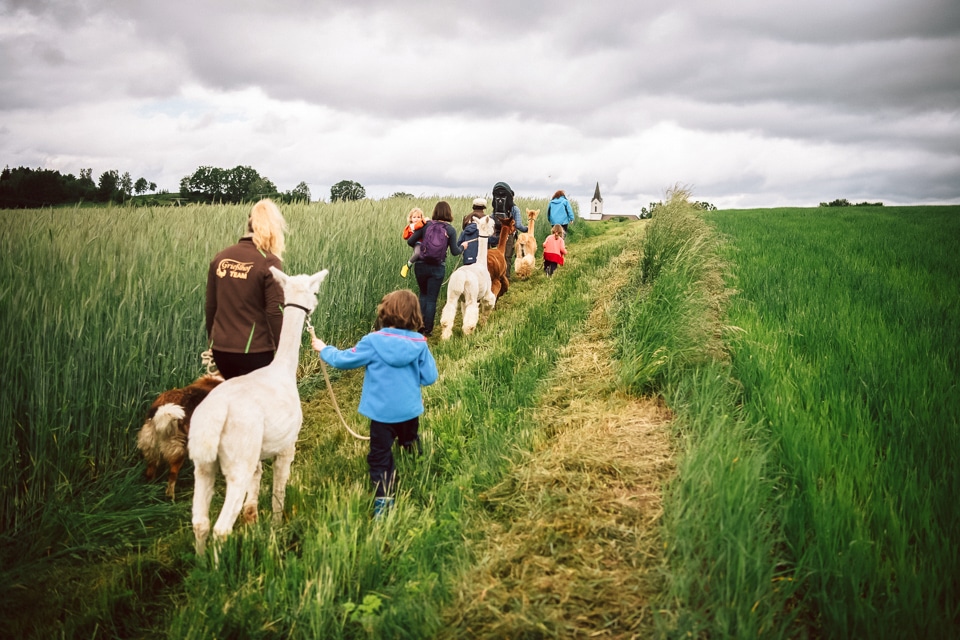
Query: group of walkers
pixel 244 314
pixel 430 267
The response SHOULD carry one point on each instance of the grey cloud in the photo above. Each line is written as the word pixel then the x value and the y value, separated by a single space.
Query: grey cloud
pixel 572 85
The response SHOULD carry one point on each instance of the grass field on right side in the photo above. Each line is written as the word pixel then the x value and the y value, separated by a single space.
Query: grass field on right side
pixel 825 502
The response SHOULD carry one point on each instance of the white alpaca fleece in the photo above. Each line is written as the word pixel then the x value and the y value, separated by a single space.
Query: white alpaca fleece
pixel 252 418
pixel 471 282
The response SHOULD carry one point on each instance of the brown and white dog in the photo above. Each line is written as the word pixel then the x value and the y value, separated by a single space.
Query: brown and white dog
pixel 163 437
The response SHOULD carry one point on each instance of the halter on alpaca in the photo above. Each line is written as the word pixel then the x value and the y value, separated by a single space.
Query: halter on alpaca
pixel 472 282
pixel 252 418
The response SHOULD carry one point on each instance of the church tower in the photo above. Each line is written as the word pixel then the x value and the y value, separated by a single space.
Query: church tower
pixel 596 205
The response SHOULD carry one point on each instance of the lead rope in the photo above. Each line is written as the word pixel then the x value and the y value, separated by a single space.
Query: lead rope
pixel 206 359
pixel 323 367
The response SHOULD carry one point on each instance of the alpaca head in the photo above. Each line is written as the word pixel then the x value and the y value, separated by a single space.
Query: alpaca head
pixel 485 226
pixel 532 214
pixel 301 289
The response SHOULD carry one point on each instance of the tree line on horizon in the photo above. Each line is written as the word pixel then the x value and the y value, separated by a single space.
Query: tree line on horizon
pixel 23 188
pixel 26 188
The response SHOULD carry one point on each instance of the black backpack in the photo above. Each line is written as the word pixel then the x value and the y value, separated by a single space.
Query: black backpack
pixel 502 200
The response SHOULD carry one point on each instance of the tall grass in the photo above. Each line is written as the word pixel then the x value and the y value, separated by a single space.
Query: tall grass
pixel 102 308
pixel 721 541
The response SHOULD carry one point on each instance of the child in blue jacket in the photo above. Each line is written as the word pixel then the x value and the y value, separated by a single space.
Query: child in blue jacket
pixel 398 363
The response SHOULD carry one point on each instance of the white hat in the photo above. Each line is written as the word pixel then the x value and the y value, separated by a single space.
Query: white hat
pixel 480 203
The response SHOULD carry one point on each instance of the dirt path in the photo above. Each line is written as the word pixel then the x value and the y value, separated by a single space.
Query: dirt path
pixel 570 541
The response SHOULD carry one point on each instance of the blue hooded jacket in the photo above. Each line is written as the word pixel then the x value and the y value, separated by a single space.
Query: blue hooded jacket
pixel 398 363
pixel 470 232
pixel 559 211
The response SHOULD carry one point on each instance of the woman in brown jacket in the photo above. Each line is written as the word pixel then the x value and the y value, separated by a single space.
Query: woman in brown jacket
pixel 244 308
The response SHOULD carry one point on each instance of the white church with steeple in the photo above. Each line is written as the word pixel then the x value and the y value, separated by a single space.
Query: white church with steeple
pixel 596 205
pixel 596 209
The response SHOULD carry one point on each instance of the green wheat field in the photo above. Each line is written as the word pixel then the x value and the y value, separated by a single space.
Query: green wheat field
pixel 810 359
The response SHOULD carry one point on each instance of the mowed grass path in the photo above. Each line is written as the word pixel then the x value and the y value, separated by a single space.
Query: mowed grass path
pixel 570 539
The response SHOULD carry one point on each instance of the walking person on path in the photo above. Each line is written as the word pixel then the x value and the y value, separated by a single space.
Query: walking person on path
pixel 398 363
pixel 244 304
pixel 554 249
pixel 559 211
pixel 431 268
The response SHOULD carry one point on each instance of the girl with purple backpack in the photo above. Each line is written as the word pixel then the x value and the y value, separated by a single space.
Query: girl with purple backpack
pixel 435 237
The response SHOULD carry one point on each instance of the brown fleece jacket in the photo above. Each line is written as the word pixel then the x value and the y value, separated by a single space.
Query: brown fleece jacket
pixel 244 302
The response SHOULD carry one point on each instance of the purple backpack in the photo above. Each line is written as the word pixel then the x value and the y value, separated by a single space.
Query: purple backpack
pixel 433 246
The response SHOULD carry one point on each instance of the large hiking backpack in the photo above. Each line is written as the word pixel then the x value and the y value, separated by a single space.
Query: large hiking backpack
pixel 433 246
pixel 502 200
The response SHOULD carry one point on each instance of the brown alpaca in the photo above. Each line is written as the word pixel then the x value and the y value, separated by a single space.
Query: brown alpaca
pixel 497 261
pixel 163 437
pixel 526 260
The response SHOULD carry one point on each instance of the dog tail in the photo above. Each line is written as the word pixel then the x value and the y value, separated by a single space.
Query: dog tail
pixel 206 425
pixel 166 418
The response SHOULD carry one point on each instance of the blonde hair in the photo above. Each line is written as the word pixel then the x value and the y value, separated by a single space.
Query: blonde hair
pixel 268 226
pixel 558 230
pixel 415 210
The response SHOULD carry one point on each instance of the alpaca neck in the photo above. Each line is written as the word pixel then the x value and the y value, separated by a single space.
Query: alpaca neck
pixel 482 244
pixel 502 242
pixel 288 351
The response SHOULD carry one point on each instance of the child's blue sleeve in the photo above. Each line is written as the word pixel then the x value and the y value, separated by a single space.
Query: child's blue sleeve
pixel 428 369
pixel 354 358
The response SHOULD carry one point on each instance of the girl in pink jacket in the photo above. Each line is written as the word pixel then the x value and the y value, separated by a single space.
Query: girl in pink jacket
pixel 553 250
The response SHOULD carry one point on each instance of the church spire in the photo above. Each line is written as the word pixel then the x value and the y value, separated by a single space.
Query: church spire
pixel 596 193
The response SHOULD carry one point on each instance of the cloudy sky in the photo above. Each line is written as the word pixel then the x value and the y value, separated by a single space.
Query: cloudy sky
pixel 750 103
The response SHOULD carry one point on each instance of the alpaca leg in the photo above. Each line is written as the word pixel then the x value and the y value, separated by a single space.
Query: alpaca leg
pixel 232 502
pixel 470 317
pixel 251 502
pixel 281 475
pixel 206 475
pixel 490 301
pixel 447 317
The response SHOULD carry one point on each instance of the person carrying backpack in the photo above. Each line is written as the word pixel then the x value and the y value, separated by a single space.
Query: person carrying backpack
pixel 503 208
pixel 435 237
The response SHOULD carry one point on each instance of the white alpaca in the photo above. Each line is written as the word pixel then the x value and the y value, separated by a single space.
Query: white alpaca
pixel 252 418
pixel 472 282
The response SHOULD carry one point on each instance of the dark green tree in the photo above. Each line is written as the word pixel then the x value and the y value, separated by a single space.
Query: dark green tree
pixel 140 186
pixel 108 186
pixel 240 184
pixel 126 185
pixel 300 193
pixel 347 190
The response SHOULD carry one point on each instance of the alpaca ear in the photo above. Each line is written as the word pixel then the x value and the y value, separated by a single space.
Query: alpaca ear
pixel 280 276
pixel 317 278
